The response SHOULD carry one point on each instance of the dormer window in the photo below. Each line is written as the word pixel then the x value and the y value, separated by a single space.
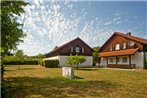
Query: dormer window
pixel 124 45
pixel 71 49
pixel 117 46
pixel 82 50
pixel 110 48
pixel 77 49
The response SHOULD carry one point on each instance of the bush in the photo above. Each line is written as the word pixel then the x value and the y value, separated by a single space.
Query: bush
pixel 17 62
pixel 41 62
pixel 50 63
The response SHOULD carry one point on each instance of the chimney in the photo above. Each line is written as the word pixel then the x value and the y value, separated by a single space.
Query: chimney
pixel 129 33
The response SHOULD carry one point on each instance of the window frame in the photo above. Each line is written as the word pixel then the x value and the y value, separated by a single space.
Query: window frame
pixel 71 49
pixel 124 45
pixel 77 49
pixel 124 59
pixel 117 46
pixel 111 60
pixel 82 50
pixel 110 48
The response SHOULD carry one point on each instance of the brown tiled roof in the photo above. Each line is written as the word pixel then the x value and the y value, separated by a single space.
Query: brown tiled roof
pixel 138 39
pixel 118 53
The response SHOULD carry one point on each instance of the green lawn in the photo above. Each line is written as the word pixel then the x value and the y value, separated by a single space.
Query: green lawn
pixel 38 82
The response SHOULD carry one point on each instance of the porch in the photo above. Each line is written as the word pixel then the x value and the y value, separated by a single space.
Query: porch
pixel 119 59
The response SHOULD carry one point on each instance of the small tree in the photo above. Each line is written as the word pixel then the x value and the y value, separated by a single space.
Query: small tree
pixel 20 56
pixel 75 60
pixel 96 58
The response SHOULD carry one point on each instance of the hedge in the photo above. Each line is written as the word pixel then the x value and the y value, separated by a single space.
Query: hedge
pixel 33 62
pixel 49 63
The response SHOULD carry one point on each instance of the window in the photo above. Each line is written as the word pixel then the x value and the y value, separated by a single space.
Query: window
pixel 71 49
pixel 77 49
pixel 117 46
pixel 111 60
pixel 124 45
pixel 124 59
pixel 82 50
pixel 110 48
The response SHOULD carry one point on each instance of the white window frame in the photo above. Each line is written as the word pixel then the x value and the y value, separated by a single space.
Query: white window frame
pixel 82 50
pixel 110 48
pixel 117 46
pixel 77 49
pixel 124 45
pixel 111 60
pixel 71 49
pixel 124 59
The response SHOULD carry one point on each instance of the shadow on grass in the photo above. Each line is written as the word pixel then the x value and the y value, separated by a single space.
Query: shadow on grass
pixel 19 69
pixel 21 87
pixel 77 77
pixel 88 69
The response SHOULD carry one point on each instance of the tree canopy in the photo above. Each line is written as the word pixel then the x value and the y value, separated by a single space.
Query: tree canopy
pixel 75 60
pixel 11 31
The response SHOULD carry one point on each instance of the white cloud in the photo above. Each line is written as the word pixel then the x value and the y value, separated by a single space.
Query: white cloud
pixel 48 26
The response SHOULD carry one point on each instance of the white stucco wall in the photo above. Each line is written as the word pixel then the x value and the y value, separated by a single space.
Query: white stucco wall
pixel 138 59
pixel 62 60
pixel 52 58
pixel 103 62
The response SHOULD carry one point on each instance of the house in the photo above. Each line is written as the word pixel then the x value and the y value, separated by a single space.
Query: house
pixel 124 51
pixel 76 46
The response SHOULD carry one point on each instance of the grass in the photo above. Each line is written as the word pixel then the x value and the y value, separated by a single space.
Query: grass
pixel 38 82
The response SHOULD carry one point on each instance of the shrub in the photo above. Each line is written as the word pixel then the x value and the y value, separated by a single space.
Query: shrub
pixel 17 62
pixel 41 62
pixel 50 63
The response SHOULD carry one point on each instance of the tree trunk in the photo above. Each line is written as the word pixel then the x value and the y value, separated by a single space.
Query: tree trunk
pixel 2 71
pixel 77 66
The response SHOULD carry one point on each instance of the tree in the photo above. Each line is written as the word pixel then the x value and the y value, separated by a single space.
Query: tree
pixel 20 56
pixel 75 60
pixel 11 31
pixel 40 57
pixel 96 58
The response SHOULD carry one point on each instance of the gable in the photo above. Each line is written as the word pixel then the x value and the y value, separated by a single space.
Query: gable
pixel 118 38
pixel 66 49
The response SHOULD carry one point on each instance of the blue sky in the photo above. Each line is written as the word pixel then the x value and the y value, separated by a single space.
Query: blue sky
pixel 53 23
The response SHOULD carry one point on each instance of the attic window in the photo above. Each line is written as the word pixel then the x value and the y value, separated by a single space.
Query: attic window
pixel 71 49
pixel 77 49
pixel 124 45
pixel 110 48
pixel 117 46
pixel 82 50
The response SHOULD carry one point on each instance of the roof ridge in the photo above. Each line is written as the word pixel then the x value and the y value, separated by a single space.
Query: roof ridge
pixel 138 39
